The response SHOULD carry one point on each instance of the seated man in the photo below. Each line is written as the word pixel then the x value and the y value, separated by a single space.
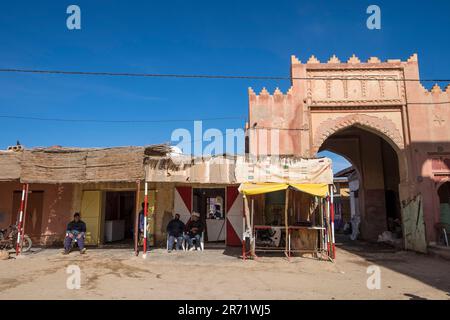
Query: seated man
pixel 76 229
pixel 194 229
pixel 175 231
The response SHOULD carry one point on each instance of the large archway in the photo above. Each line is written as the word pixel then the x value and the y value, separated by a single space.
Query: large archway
pixel 374 158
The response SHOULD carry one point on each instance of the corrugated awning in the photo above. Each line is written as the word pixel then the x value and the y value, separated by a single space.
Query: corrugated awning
pixel 315 189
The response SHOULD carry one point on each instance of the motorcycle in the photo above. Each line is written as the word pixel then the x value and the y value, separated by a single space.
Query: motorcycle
pixel 8 239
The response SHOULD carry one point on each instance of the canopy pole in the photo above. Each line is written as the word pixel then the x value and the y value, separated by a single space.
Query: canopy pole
pixel 136 220
pixel 144 255
pixel 286 222
pixel 328 225
pixel 333 247
pixel 244 226
pixel 19 224
pixel 253 230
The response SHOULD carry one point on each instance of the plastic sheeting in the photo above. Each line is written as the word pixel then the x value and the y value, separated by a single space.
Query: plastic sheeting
pixel 251 189
pixel 284 170
pixel 239 169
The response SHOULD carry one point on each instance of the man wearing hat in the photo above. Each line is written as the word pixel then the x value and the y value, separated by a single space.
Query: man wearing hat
pixel 194 229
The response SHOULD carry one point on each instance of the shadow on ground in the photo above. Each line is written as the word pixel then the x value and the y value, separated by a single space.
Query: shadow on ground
pixel 432 271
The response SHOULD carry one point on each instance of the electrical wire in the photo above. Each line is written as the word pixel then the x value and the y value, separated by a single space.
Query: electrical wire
pixel 203 76
pixel 118 121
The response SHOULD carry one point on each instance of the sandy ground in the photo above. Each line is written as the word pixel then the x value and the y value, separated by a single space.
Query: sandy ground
pixel 220 274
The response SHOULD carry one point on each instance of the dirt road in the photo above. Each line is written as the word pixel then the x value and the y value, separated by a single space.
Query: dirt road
pixel 220 274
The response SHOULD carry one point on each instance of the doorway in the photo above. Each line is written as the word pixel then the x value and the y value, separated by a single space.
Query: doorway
pixel 210 204
pixel 119 216
pixel 444 201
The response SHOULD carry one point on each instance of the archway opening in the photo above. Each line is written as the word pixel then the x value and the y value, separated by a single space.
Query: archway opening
pixel 376 169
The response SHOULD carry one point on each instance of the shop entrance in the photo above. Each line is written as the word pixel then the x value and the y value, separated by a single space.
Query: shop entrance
pixel 210 203
pixel 119 216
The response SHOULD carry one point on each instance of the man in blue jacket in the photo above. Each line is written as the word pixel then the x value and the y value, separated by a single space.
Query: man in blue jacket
pixel 76 229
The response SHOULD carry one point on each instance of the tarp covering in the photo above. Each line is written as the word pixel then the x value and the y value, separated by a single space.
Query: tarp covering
pixel 284 170
pixel 251 189
pixel 318 189
pixel 182 168
pixel 239 169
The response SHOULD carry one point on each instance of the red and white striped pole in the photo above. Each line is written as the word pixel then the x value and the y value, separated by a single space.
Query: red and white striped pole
pixel 24 220
pixel 145 219
pixel 19 226
pixel 332 223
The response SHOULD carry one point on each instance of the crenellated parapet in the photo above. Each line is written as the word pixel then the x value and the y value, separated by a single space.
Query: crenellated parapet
pixel 353 60
pixel 352 82
pixel 437 90
pixel 265 97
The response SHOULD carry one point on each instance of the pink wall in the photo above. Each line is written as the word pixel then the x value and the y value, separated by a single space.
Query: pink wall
pixel 415 121
pixel 57 203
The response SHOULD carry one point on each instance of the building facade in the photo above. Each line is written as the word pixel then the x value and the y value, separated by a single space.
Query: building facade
pixel 378 116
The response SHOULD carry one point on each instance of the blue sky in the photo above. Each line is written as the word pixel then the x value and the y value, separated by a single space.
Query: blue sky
pixel 201 37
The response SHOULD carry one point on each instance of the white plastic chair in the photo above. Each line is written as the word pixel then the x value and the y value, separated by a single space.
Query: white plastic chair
pixel 202 242
pixel 183 247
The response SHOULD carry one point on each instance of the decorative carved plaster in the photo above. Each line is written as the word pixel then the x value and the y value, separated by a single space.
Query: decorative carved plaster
pixel 326 91
pixel 383 125
pixel 438 120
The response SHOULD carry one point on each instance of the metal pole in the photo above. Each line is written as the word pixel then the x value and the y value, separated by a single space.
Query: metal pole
pixel 24 215
pixel 244 227
pixel 328 225
pixel 136 220
pixel 145 219
pixel 253 244
pixel 286 222
pixel 19 226
pixel 333 247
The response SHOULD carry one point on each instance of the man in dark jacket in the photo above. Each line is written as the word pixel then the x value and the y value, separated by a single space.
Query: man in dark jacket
pixel 194 229
pixel 175 231
pixel 76 229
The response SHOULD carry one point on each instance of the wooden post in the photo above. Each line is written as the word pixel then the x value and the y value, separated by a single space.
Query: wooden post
pixel 136 220
pixel 333 247
pixel 286 222
pixel 328 226
pixel 253 244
